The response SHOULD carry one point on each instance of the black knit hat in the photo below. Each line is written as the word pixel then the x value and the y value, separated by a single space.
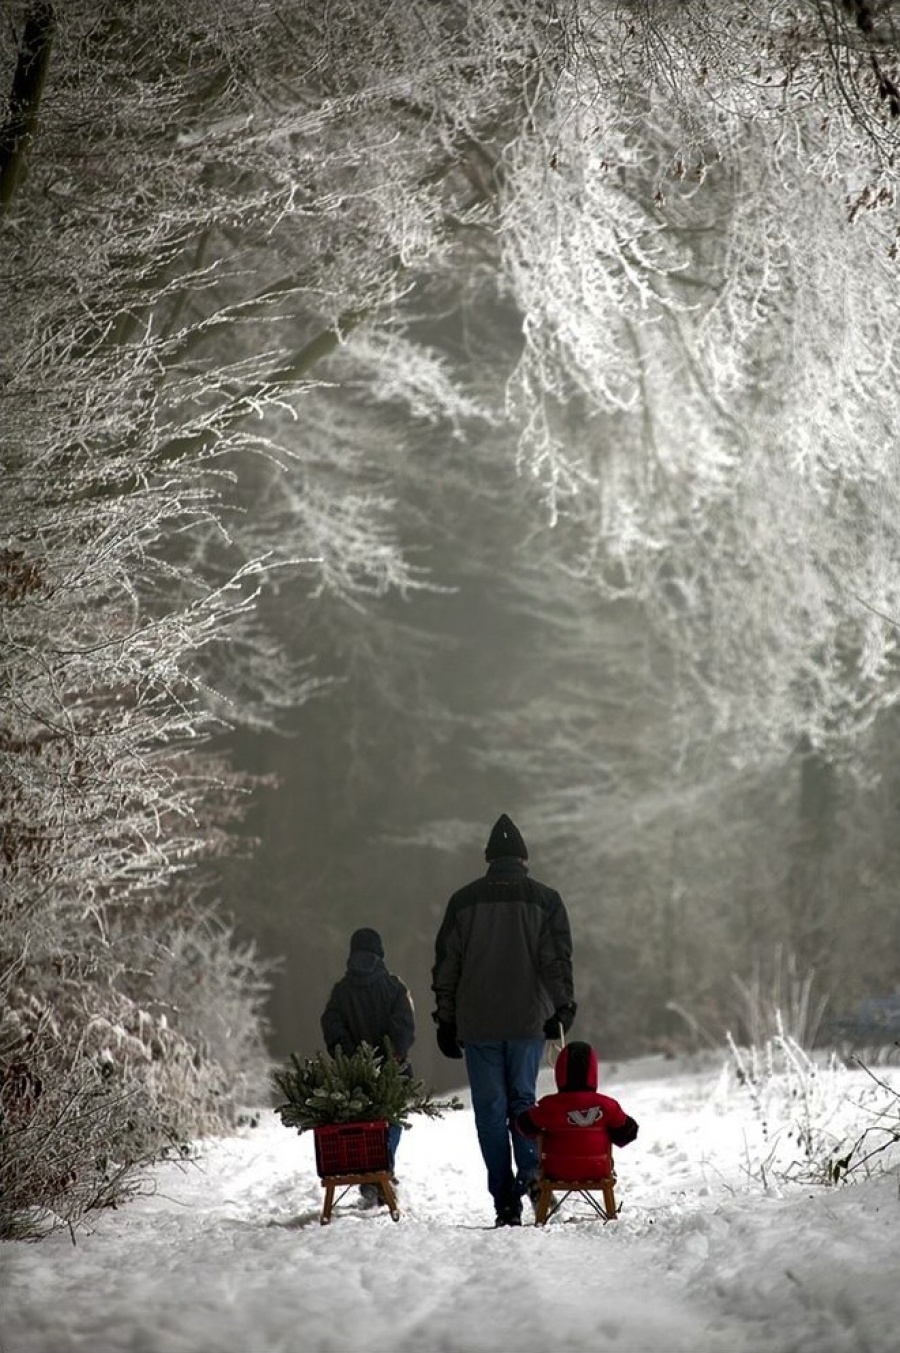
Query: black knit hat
pixel 505 839
pixel 367 940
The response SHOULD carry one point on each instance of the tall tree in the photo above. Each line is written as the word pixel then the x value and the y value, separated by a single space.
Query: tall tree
pixel 227 263
pixel 209 212
pixel 703 246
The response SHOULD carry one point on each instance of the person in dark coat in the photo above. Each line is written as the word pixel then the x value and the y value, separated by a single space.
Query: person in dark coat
pixel 370 1005
pixel 503 984
pixel 579 1125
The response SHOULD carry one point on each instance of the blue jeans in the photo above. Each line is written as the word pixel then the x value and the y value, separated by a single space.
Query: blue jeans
pixel 503 1081
pixel 393 1141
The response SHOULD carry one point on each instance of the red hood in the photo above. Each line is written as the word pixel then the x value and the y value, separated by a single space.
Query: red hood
pixel 577 1067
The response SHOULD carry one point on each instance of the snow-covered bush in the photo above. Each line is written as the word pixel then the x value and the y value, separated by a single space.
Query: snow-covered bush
pixel 811 1119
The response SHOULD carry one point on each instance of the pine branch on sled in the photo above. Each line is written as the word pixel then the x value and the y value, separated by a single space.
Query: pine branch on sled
pixel 366 1085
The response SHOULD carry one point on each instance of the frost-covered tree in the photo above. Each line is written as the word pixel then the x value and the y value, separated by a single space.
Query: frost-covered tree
pixel 199 213
pixel 701 232
pixel 691 233
pixel 231 239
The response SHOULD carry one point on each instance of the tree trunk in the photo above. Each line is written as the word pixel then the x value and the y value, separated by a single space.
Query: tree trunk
pixel 25 99
pixel 807 882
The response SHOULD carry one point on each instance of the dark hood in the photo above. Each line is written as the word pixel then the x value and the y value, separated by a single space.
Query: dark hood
pixel 363 966
pixel 577 1067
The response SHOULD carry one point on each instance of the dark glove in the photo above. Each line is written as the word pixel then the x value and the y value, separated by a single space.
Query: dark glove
pixel 563 1015
pixel 448 1042
pixel 624 1133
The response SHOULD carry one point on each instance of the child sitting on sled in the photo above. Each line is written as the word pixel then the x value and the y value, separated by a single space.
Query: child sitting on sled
pixel 599 1122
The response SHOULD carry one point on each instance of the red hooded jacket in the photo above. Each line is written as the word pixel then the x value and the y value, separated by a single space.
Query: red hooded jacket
pixel 578 1125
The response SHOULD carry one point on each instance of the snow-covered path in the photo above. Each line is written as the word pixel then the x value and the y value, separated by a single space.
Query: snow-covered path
pixel 228 1256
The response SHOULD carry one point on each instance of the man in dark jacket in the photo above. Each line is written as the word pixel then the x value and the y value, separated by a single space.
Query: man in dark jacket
pixel 502 979
pixel 368 1005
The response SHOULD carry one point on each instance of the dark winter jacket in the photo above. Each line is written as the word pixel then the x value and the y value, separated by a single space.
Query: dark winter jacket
pixel 503 956
pixel 368 1005
pixel 578 1126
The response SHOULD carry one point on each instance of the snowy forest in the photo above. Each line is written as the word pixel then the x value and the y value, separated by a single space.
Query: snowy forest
pixel 410 413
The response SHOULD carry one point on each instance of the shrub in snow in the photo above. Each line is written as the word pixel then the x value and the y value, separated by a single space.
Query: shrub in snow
pixel 812 1121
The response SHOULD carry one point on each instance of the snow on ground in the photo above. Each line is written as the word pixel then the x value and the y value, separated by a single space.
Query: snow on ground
pixel 227 1255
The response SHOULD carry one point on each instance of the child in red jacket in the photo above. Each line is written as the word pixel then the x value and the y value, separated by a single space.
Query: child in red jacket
pixel 579 1126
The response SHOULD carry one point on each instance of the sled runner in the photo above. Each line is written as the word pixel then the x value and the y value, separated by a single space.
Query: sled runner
pixel 353 1153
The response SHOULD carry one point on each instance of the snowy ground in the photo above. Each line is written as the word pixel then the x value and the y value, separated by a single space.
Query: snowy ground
pixel 227 1255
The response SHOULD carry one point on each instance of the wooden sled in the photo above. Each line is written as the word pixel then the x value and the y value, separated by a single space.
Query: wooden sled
pixel 380 1178
pixel 552 1193
pixel 349 1154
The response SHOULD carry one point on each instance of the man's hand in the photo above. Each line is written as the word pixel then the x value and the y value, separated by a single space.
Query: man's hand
pixel 560 1022
pixel 447 1041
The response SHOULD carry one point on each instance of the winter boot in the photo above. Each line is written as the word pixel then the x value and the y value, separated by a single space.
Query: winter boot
pixel 509 1214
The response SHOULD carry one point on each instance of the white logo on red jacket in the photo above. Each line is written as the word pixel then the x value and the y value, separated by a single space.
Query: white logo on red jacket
pixel 585 1117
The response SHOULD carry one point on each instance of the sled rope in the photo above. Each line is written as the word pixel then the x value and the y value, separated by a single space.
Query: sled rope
pixel 555 1046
